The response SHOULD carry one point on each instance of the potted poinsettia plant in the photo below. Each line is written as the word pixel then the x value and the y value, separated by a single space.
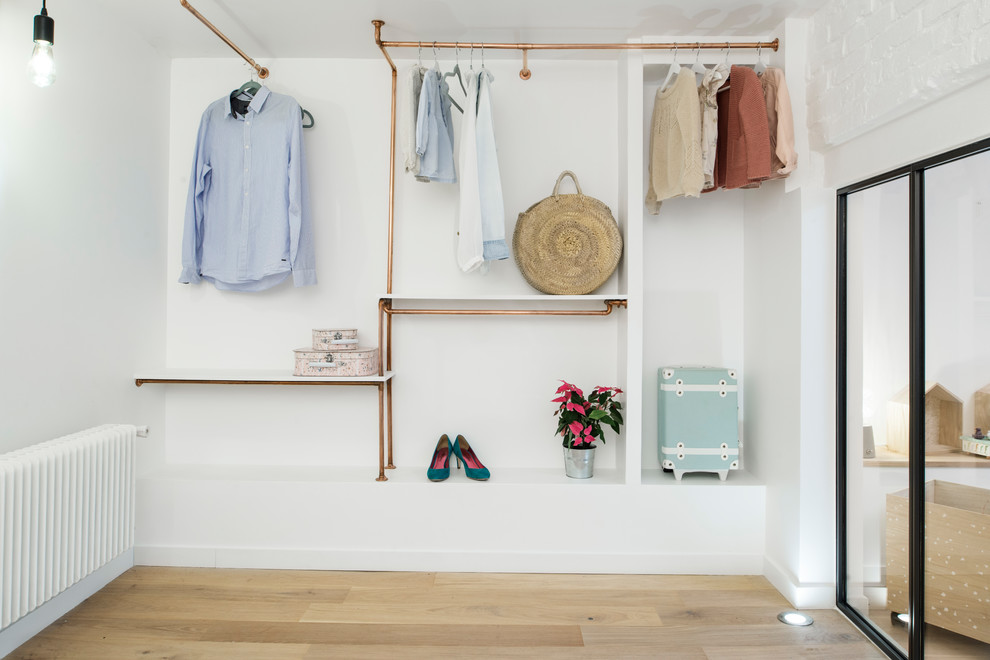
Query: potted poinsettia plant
pixel 580 421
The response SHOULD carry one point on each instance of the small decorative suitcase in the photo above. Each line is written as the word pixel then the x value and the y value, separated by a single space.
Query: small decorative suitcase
pixel 356 362
pixel 699 420
pixel 335 340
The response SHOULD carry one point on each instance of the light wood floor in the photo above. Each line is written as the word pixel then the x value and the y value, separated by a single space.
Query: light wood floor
pixel 179 613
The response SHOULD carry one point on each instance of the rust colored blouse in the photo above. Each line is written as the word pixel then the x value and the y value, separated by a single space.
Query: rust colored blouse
pixel 743 154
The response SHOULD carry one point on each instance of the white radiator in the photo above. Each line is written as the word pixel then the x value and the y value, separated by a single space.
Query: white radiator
pixel 66 509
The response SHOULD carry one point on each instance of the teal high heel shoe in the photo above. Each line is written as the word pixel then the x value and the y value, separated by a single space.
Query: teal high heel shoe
pixel 473 469
pixel 440 464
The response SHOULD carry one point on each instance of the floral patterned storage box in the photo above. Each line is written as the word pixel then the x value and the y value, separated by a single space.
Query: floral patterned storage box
pixel 334 339
pixel 355 362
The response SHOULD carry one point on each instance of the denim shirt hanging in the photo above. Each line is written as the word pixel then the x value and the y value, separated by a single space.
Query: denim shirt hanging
pixel 434 131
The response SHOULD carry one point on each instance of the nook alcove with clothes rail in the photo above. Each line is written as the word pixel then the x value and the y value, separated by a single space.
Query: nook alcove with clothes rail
pixel 512 347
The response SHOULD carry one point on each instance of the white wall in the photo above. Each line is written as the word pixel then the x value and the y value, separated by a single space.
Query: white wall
pixel 275 476
pixel 471 367
pixel 773 346
pixel 876 60
pixel 82 226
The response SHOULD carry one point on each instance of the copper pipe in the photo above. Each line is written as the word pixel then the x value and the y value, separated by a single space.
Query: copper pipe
pixel 525 73
pixel 262 71
pixel 381 435
pixel 229 381
pixel 388 391
pixel 609 306
pixel 694 45
pixel 381 357
pixel 388 387
pixel 391 152
pixel 388 331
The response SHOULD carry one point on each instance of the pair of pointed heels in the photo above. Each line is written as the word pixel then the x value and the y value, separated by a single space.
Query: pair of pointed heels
pixel 439 469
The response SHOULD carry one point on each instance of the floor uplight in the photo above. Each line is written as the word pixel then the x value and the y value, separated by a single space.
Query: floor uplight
pixel 795 618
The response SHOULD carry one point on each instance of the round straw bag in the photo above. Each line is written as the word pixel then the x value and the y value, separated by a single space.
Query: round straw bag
pixel 567 244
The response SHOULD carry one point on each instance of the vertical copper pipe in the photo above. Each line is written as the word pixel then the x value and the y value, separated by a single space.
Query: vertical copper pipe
pixel 388 387
pixel 391 151
pixel 388 334
pixel 381 435
pixel 381 355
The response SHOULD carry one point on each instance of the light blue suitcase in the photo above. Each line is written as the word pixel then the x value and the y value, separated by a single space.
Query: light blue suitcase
pixel 699 420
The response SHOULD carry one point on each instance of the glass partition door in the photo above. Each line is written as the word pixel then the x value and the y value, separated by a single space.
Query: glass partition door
pixel 877 301
pixel 913 402
pixel 957 377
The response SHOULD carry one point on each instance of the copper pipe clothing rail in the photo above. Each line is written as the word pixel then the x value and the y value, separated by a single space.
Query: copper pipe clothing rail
pixel 262 71
pixel 386 306
pixel 525 75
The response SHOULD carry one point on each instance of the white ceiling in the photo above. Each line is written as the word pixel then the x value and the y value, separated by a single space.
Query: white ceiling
pixel 342 28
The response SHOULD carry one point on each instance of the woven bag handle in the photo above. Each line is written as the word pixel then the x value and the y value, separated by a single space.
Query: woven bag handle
pixel 561 178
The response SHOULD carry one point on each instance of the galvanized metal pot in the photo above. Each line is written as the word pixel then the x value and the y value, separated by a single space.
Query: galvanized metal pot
pixel 579 463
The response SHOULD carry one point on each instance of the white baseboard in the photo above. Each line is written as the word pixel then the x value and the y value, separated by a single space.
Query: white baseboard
pixel 816 596
pixel 47 613
pixel 441 561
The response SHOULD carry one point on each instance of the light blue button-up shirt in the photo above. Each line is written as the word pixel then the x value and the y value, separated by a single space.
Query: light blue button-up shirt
pixel 247 223
pixel 435 130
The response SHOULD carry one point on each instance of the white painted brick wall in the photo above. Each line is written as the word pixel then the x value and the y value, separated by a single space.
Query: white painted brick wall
pixel 871 61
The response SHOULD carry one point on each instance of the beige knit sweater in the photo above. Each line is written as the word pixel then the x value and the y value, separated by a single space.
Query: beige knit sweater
pixel 675 143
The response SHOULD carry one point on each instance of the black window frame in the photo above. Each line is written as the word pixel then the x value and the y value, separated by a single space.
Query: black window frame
pixel 915 172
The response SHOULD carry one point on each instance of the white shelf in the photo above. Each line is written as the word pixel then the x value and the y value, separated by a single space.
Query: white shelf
pixel 249 377
pixel 704 479
pixel 540 297
pixel 417 475
pixel 366 474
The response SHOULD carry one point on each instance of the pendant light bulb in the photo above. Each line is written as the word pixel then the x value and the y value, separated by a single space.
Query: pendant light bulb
pixel 41 66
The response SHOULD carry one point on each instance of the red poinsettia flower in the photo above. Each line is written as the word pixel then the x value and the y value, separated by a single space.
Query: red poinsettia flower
pixel 576 408
pixel 580 419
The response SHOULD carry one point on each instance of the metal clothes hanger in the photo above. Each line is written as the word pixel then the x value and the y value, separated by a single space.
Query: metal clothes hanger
pixel 760 66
